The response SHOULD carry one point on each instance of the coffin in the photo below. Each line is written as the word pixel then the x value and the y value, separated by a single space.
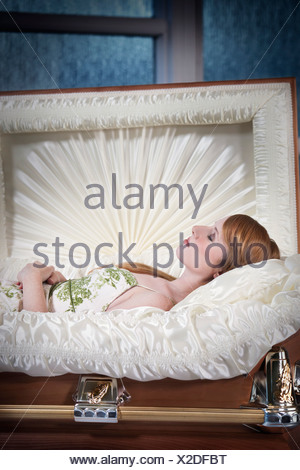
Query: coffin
pixel 77 170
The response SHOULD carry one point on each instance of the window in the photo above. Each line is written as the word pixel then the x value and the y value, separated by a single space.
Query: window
pixel 84 43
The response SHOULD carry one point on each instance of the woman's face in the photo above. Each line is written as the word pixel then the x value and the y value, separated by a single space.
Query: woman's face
pixel 204 251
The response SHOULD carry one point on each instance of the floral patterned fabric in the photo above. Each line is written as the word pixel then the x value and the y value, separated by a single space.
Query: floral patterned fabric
pixel 10 297
pixel 95 291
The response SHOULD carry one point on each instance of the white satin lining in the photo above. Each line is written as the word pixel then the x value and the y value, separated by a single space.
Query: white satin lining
pixel 219 331
pixel 49 177
pixel 128 133
pixel 61 143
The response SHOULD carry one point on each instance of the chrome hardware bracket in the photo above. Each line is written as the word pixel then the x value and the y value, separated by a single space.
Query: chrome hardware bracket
pixel 97 399
pixel 273 392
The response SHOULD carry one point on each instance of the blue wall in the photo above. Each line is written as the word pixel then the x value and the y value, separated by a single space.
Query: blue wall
pixel 241 40
pixel 251 39
pixel 47 61
pixel 132 8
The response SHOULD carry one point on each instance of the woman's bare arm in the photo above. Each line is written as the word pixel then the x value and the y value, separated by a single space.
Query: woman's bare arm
pixel 33 294
pixel 31 278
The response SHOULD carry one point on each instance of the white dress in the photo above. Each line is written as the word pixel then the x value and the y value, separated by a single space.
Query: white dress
pixel 95 291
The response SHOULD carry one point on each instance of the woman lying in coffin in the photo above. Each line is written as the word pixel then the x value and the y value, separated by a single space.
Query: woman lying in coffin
pixel 209 251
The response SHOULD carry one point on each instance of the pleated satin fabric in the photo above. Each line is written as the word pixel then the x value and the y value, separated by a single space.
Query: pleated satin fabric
pixel 236 139
pixel 221 330
pixel 57 150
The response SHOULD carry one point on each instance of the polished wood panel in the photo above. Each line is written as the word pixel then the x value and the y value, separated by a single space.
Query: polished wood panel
pixel 26 433
pixel 21 389
pixel 140 435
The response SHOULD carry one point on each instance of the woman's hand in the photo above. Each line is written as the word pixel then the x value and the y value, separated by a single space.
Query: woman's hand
pixel 31 279
pixel 55 277
pixel 33 271
pixel 38 272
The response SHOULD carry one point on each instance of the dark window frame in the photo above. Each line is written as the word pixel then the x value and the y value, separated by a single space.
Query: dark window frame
pixel 176 29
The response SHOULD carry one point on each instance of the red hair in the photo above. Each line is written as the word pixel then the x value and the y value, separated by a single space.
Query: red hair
pixel 247 242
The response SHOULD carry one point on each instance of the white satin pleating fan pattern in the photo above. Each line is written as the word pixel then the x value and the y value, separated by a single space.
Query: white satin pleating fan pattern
pixel 52 177
pixel 236 139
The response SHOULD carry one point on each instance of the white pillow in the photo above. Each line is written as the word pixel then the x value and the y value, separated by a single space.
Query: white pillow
pixel 260 281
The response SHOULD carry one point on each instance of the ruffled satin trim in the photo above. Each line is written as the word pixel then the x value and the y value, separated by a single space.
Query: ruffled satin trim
pixel 219 331
pixel 265 191
pixel 275 172
pixel 222 329
pixel 222 104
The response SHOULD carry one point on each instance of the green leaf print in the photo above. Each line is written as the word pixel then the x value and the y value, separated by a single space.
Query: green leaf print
pixel 10 291
pixel 129 277
pixel 112 276
pixel 75 291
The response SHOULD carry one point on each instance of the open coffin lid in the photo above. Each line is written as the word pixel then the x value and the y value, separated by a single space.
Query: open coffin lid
pixel 233 143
